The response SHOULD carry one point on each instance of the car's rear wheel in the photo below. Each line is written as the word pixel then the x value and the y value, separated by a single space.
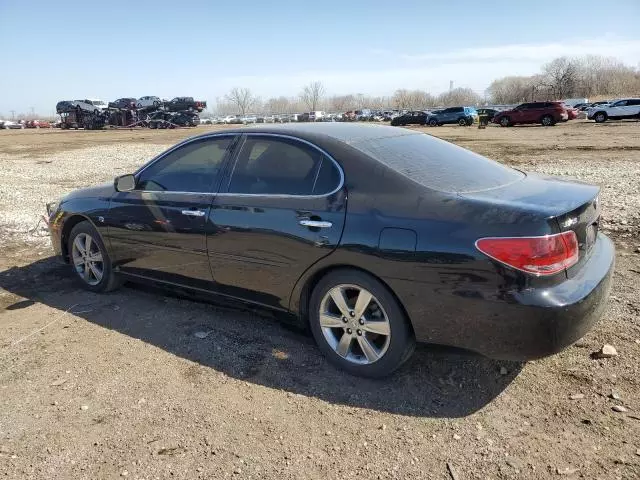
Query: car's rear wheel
pixel 89 259
pixel 359 325
pixel 600 117
pixel 433 122
pixel 547 121
pixel 505 122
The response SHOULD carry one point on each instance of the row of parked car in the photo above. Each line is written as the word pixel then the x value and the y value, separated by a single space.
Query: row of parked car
pixel 544 113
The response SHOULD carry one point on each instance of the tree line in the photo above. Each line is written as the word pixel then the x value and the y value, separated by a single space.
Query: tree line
pixel 563 77
pixel 313 97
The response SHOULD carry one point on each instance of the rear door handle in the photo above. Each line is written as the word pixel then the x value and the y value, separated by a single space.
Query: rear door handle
pixel 315 223
pixel 193 213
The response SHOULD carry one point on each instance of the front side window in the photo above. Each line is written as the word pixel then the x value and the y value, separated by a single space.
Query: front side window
pixel 278 166
pixel 194 167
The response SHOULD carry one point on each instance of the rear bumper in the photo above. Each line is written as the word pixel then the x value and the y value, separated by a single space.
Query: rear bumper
pixel 534 323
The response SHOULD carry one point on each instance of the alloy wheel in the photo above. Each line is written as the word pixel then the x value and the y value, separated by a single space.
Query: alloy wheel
pixel 354 324
pixel 87 259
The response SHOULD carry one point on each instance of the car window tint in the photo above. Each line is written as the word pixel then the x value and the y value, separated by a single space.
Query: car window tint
pixel 194 167
pixel 328 178
pixel 269 166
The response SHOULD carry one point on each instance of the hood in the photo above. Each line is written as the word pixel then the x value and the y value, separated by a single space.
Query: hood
pixel 103 190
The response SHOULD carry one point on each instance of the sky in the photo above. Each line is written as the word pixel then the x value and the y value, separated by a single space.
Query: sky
pixel 68 49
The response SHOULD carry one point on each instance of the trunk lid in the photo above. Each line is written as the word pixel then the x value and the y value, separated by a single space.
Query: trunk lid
pixel 571 205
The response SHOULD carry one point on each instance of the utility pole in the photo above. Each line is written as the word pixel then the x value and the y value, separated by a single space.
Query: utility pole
pixel 450 85
pixel 33 113
pixel 13 114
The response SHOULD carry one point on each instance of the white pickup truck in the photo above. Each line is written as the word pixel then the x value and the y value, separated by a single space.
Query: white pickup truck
pixel 616 110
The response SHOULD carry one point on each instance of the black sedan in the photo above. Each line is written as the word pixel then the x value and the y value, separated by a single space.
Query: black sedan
pixel 374 237
pixel 410 118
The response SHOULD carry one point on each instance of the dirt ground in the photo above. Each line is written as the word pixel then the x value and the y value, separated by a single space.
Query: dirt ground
pixel 118 386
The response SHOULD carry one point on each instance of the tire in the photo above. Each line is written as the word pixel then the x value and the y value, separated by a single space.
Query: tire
pixel 433 122
pixel 600 117
pixel 505 122
pixel 389 351
pixel 104 282
pixel 462 122
pixel 547 121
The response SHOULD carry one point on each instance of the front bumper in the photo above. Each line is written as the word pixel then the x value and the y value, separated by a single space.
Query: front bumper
pixel 534 323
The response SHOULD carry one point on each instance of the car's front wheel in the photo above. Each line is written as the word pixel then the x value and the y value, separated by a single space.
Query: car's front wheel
pixel 433 122
pixel 505 122
pixel 89 259
pixel 359 325
pixel 600 117
pixel 462 122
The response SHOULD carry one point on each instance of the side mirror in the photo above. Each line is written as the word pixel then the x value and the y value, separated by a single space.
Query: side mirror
pixel 125 183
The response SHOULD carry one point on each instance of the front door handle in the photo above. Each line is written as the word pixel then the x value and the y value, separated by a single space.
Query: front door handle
pixel 315 223
pixel 193 213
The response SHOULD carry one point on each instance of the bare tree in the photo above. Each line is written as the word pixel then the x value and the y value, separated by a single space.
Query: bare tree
pixel 459 96
pixel 312 95
pixel 560 76
pixel 564 77
pixel 277 105
pixel 242 99
pixel 512 89
pixel 402 99
pixel 341 103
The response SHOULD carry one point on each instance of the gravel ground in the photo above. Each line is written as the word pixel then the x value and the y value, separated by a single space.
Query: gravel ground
pixel 119 385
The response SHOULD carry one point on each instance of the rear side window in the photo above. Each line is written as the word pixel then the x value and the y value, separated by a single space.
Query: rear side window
pixel 437 164
pixel 278 166
pixel 328 178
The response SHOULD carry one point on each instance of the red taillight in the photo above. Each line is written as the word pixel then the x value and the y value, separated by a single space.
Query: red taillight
pixel 537 255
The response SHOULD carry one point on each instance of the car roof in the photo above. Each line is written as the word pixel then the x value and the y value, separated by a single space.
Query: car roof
pixel 349 133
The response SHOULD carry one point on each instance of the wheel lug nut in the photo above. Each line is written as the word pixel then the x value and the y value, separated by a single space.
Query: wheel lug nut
pixel 344 319
pixel 362 321
pixel 359 332
pixel 349 331
pixel 353 314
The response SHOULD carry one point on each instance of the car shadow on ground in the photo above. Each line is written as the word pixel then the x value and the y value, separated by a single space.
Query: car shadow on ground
pixel 254 347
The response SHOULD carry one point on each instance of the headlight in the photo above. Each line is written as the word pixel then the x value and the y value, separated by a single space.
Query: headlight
pixel 52 207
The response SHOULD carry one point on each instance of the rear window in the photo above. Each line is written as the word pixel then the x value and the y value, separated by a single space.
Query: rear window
pixel 437 164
